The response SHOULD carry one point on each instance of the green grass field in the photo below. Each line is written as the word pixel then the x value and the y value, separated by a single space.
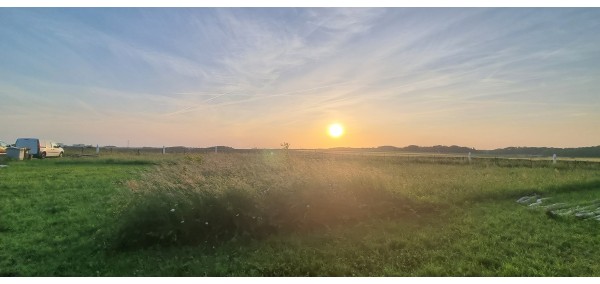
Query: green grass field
pixel 297 214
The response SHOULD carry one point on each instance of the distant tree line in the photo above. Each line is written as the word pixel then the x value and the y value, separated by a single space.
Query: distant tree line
pixel 545 151
pixel 529 151
pixel 593 151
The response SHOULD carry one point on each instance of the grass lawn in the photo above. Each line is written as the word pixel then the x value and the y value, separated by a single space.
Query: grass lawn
pixel 63 217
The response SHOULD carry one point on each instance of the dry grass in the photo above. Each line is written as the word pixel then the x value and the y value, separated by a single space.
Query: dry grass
pixel 214 198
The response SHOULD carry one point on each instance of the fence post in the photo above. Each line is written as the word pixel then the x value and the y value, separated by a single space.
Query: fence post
pixel 163 150
pixel 531 161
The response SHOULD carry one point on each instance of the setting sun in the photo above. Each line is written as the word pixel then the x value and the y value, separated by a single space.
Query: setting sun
pixel 336 130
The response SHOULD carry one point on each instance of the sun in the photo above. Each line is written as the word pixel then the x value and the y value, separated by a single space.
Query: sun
pixel 336 130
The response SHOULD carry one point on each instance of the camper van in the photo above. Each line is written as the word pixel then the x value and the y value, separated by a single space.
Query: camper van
pixel 3 147
pixel 40 148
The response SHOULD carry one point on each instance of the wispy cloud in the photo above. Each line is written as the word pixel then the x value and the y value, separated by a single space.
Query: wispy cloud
pixel 219 69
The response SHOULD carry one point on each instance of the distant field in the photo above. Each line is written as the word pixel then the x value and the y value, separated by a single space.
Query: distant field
pixel 137 151
pixel 298 213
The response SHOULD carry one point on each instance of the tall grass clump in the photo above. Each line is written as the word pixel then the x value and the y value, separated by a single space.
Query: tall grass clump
pixel 222 197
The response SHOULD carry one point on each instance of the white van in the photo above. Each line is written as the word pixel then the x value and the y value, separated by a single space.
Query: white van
pixel 40 148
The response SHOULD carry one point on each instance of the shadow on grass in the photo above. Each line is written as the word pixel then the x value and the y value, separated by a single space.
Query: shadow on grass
pixel 205 219
pixel 501 195
pixel 581 186
pixel 214 220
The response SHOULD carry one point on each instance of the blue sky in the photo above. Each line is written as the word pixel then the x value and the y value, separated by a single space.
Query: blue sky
pixel 483 78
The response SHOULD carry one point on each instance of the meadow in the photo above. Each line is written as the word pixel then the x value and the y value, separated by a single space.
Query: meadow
pixel 293 213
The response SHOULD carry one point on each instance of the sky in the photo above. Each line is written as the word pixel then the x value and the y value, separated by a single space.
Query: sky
pixel 257 77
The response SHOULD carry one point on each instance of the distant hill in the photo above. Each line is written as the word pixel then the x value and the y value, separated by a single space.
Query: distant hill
pixel 546 151
pixel 587 152
pixel 433 149
pixel 454 149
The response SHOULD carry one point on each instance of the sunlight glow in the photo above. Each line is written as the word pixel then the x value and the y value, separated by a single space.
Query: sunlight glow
pixel 336 130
